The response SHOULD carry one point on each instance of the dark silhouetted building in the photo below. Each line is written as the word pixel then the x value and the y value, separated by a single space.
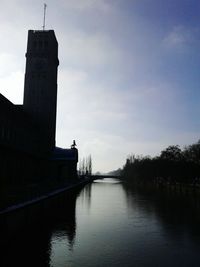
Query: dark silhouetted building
pixel 28 154
pixel 40 87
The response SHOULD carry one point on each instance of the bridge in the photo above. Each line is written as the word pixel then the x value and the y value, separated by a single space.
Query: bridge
pixel 96 177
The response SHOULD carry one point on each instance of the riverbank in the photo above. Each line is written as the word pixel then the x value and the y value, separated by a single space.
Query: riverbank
pixel 39 212
pixel 35 195
pixel 161 184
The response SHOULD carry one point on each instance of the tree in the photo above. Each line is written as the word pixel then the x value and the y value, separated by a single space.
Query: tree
pixel 89 165
pixel 192 152
pixel 172 153
pixel 85 166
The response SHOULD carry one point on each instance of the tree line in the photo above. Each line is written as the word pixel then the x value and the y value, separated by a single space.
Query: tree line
pixel 173 165
pixel 85 166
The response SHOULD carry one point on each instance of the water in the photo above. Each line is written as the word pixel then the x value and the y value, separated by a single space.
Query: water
pixel 112 224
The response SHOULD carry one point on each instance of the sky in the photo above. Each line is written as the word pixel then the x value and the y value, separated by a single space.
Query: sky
pixel 129 73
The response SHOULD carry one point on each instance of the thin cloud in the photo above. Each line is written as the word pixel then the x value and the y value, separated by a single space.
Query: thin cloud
pixel 10 64
pixel 101 5
pixel 125 84
pixel 88 50
pixel 181 37
pixel 11 86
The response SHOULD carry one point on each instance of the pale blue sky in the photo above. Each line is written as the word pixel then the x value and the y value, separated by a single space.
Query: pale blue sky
pixel 128 75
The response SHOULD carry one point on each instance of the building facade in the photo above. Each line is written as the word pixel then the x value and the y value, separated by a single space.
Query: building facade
pixel 28 154
pixel 40 86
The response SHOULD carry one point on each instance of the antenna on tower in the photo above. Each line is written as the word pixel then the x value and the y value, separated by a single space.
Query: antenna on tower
pixel 45 7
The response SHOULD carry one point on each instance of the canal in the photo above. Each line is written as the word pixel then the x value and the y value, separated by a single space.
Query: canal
pixel 109 223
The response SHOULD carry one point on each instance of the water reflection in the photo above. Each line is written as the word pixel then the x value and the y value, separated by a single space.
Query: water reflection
pixel 35 243
pixel 85 196
pixel 177 219
pixel 177 213
pixel 110 223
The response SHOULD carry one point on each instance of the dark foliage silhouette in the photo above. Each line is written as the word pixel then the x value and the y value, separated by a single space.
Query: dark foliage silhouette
pixel 172 166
